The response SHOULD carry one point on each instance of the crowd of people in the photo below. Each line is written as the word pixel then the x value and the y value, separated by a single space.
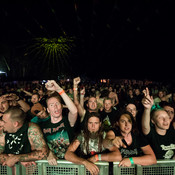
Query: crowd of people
pixel 87 122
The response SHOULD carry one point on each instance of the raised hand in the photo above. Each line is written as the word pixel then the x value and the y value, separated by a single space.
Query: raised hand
pixel 147 101
pixel 52 86
pixel 76 81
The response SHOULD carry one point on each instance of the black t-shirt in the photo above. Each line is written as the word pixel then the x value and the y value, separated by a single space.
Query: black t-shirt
pixel 18 143
pixel 133 150
pixel 57 135
pixel 163 146
pixel 108 118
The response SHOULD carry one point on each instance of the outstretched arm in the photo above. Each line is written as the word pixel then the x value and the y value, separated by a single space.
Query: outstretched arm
pixel 26 92
pixel 71 156
pixel 148 158
pixel 3 157
pixel 147 102
pixel 111 140
pixel 38 146
pixel 113 156
pixel 15 100
pixel 79 105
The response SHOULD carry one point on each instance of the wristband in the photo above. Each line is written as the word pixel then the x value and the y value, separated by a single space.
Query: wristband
pixel 75 89
pixel 131 160
pixel 96 157
pixel 99 157
pixel 61 92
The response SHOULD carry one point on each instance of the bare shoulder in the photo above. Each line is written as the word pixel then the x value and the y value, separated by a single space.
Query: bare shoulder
pixel 33 125
pixel 112 94
pixel 34 128
pixel 36 137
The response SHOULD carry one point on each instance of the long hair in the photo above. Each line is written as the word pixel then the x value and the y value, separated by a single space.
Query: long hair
pixel 86 132
pixel 134 125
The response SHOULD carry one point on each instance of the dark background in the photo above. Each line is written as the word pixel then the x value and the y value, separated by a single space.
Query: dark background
pixel 113 38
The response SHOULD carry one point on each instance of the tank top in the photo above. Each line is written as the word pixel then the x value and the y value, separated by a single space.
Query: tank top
pixel 18 143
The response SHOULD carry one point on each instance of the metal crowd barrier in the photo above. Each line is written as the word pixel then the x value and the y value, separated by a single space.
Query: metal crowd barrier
pixel 63 168
pixel 163 167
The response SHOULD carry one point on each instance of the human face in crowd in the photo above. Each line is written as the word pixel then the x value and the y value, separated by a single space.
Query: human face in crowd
pixel 170 112
pixel 161 120
pixel 110 89
pixel 125 124
pixel 4 105
pixel 42 114
pixel 94 124
pixel 92 104
pixel 137 91
pixel 108 105
pixel 34 99
pixel 132 109
pixel 54 107
pixel 41 93
pixel 160 94
pixel 130 92
pixel 8 124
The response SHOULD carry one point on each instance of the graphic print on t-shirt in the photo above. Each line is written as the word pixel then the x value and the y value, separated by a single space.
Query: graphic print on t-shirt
pixel 169 151
pixel 14 141
pixel 58 143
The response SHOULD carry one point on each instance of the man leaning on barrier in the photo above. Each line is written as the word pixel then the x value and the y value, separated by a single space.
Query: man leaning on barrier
pixel 135 148
pixel 87 148
pixel 58 129
pixel 20 141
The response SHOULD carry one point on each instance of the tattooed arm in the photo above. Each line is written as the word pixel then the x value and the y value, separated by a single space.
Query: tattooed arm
pixel 3 157
pixel 38 146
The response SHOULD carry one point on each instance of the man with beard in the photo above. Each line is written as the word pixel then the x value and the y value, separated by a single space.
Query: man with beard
pixel 21 141
pixel 87 148
pixel 58 129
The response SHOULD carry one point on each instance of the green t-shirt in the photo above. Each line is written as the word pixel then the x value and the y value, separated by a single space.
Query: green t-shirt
pixel 57 135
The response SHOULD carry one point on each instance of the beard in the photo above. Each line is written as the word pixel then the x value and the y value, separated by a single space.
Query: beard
pixel 93 135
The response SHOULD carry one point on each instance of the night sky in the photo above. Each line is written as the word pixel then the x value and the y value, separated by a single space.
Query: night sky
pixel 113 38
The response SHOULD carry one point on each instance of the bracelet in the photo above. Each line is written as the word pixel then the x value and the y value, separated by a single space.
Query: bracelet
pixel 99 157
pixel 61 92
pixel 75 89
pixel 131 160
pixel 96 157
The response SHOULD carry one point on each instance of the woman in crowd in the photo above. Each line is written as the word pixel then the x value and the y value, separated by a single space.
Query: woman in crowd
pixel 133 147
